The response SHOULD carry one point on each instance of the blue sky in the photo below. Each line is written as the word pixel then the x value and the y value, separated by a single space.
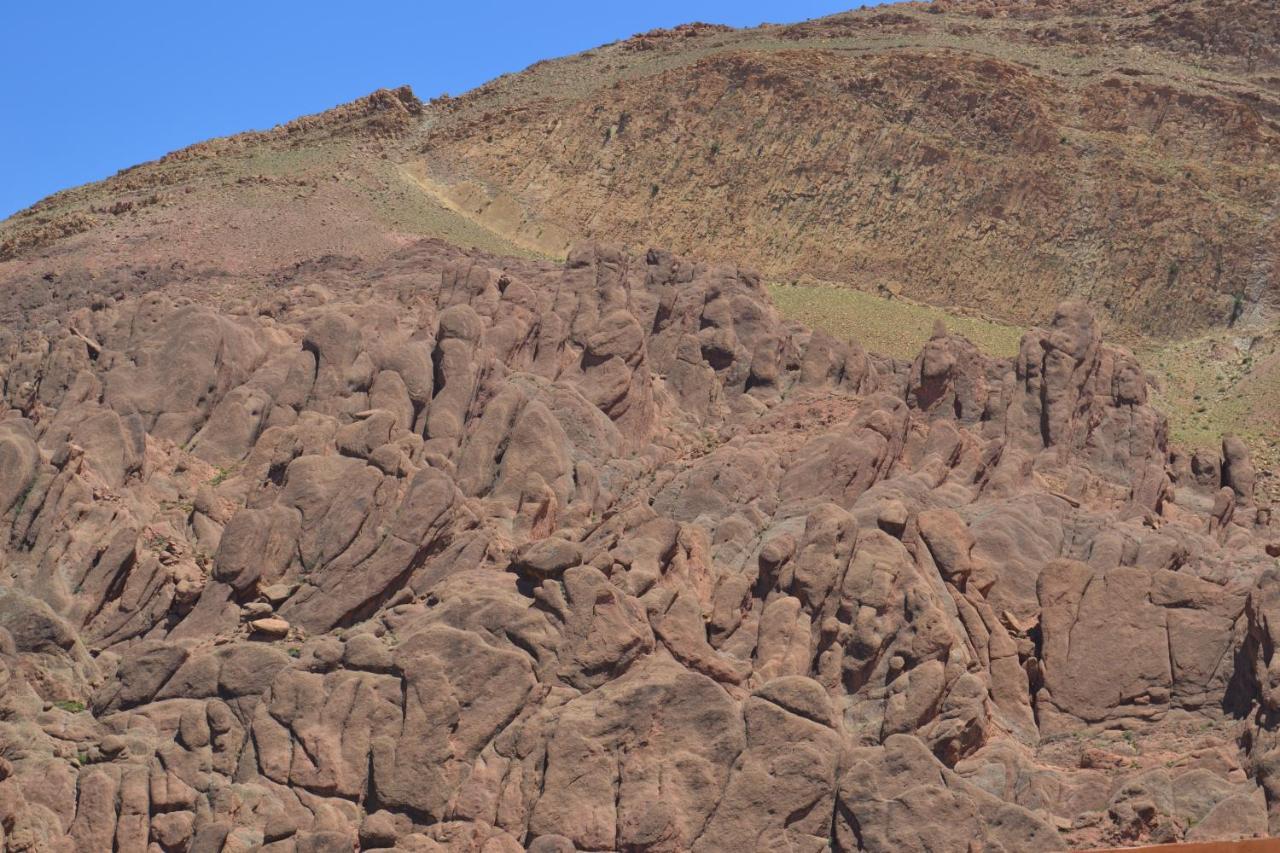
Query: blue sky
pixel 88 88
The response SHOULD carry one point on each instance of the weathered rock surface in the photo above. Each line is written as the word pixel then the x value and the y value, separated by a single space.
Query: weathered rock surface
pixel 472 554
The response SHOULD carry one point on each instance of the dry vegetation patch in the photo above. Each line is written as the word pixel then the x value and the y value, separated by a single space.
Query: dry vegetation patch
pixel 891 326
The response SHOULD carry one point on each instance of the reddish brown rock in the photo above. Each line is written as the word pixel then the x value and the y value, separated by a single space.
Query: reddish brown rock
pixel 464 553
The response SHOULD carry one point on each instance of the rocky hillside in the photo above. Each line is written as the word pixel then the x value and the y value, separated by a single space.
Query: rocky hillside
pixel 350 501
pixel 457 552
pixel 999 156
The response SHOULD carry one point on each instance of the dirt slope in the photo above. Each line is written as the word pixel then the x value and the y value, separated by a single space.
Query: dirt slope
pixel 230 211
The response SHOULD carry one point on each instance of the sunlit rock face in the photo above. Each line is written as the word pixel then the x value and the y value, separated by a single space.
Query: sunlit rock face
pixel 457 552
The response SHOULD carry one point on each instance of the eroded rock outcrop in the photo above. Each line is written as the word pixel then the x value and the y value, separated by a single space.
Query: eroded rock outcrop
pixel 608 557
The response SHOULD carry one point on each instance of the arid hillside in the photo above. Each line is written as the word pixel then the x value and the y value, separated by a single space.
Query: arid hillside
pixel 229 212
pixel 997 156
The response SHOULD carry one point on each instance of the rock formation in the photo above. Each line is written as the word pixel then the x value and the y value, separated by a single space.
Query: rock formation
pixel 462 553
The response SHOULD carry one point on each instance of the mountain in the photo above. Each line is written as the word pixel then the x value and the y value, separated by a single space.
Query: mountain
pixel 356 495
pixel 999 156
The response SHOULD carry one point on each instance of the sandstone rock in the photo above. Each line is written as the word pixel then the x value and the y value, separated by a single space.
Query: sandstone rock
pixel 274 628
pixel 256 610
pixel 452 554
pixel 276 594
pixel 893 518
pixel 548 557
pixel 1237 468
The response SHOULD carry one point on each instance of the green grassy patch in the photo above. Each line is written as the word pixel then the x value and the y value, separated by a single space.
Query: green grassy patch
pixel 1226 382
pixel 895 327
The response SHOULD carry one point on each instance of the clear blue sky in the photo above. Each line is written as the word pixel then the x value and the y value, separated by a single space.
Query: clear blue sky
pixel 88 88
